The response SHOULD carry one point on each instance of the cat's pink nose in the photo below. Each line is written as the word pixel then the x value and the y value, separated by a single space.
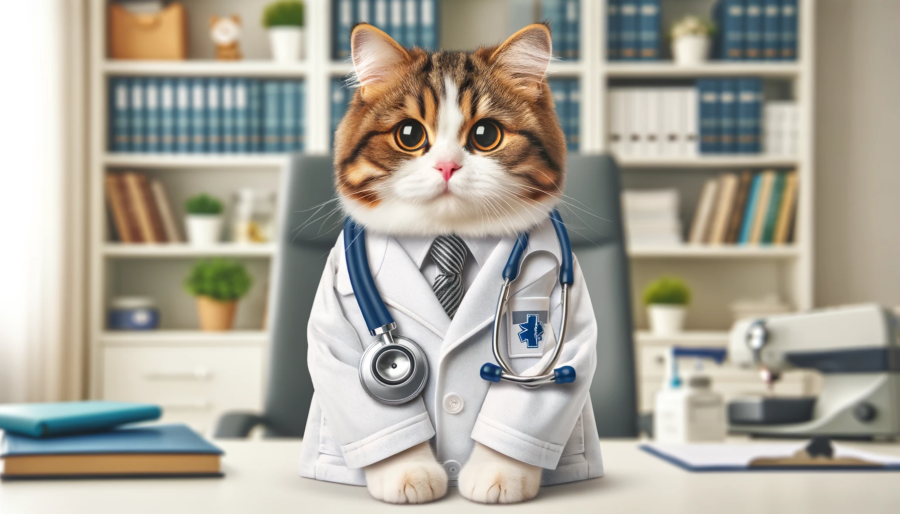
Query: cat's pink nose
pixel 447 168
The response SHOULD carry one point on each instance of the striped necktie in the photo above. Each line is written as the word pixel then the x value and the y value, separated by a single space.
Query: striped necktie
pixel 449 254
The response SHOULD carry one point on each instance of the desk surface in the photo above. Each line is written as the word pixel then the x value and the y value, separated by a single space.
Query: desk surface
pixel 262 477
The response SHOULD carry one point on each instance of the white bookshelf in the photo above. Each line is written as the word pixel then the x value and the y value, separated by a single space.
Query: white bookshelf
pixel 718 275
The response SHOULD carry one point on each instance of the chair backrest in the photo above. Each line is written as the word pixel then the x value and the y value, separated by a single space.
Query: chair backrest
pixel 309 227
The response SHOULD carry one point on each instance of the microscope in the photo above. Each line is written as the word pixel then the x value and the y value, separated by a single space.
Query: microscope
pixel 857 352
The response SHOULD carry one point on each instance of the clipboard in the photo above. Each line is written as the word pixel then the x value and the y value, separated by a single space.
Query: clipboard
pixel 819 454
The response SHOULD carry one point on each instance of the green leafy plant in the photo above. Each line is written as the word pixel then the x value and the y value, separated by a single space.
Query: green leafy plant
pixel 692 25
pixel 667 291
pixel 220 279
pixel 286 13
pixel 203 204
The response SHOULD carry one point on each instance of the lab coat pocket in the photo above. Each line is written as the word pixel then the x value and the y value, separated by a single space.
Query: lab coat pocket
pixel 529 332
pixel 327 444
pixel 575 444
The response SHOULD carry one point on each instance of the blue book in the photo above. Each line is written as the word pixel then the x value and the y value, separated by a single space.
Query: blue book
pixel 753 30
pixel 288 115
pixel 183 115
pixel 771 30
pixel 733 30
pixel 560 104
pixel 214 115
pixel 573 29
pixel 198 116
pixel 749 115
pixel 54 419
pixel 255 116
pixel 788 43
pixel 554 10
pixel 381 15
pixel 343 22
pixel 750 210
pixel 228 142
pixel 628 30
pixel 118 108
pixel 612 29
pixel 241 116
pixel 272 117
pixel 428 26
pixel 338 94
pixel 153 115
pixel 708 95
pixel 137 114
pixel 411 23
pixel 395 21
pixel 728 116
pixel 716 17
pixel 574 118
pixel 648 29
pixel 301 118
pixel 167 121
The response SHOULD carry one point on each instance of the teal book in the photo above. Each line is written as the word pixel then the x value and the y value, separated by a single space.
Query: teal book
pixel 750 212
pixel 773 209
pixel 54 419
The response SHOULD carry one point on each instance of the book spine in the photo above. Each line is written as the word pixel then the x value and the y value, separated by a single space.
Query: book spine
pixel 167 120
pixel 427 25
pixel 255 116
pixel 574 109
pixel 768 231
pixel 708 95
pixel 164 207
pixel 301 117
pixel 553 10
pixel 396 21
pixel 613 29
pixel 786 211
pixel 198 116
pixel 337 105
pixel 737 212
pixel 241 116
pixel 628 33
pixel 649 29
pixel 690 120
pixel 733 32
pixel 788 43
pixel 573 29
pixel 343 22
pixel 750 210
pixel 118 88
pixel 381 16
pixel 653 114
pixel 183 116
pixel 771 30
pixel 228 116
pixel 153 115
pixel 728 116
pixel 560 104
pixel 288 116
pixel 214 115
pixel 117 205
pixel 138 206
pixel 763 199
pixel 749 115
pixel 616 121
pixel 271 118
pixel 136 122
pixel 753 30
pixel 670 132
pixel 411 23
pixel 715 15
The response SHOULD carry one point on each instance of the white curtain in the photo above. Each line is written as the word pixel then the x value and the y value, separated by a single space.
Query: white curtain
pixel 43 235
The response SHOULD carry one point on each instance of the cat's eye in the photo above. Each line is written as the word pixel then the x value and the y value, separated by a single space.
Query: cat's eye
pixel 410 135
pixel 485 135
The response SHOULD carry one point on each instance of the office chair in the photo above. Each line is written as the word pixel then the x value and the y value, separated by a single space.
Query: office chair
pixel 592 214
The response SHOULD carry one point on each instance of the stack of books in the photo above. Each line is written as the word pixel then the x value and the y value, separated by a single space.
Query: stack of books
pixel 746 209
pixel 139 209
pixel 730 114
pixel 409 22
pixel 567 99
pixel 564 17
pixel 633 30
pixel 206 115
pixel 653 122
pixel 340 101
pixel 756 30
pixel 86 440
pixel 651 217
pixel 781 128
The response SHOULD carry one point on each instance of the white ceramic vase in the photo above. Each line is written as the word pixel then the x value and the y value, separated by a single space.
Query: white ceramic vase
pixel 287 43
pixel 690 50
pixel 203 229
pixel 666 320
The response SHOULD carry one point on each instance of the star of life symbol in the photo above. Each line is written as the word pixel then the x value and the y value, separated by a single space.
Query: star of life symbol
pixel 532 331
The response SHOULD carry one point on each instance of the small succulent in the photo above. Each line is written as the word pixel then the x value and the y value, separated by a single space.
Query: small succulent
pixel 667 291
pixel 203 204
pixel 286 13
pixel 221 279
pixel 692 25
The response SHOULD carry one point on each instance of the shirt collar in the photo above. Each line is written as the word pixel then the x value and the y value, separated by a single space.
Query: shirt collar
pixel 417 247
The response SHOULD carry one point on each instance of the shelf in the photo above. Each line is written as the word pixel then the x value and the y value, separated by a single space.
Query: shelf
pixel 185 338
pixel 194 160
pixel 174 250
pixel 718 69
pixel 206 68
pixel 708 161
pixel 688 338
pixel 714 252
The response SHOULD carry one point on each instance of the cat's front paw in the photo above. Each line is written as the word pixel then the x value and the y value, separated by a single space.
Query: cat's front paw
pixel 491 477
pixel 411 476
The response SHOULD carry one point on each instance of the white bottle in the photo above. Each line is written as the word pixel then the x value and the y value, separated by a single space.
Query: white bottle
pixel 688 413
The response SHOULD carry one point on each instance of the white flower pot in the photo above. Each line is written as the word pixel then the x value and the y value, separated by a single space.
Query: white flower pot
pixel 287 43
pixel 203 229
pixel 666 320
pixel 690 50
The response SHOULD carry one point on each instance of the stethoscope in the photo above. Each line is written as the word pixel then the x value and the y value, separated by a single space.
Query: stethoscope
pixel 394 369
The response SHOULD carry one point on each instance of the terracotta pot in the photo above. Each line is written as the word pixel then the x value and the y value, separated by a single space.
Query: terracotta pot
pixel 215 316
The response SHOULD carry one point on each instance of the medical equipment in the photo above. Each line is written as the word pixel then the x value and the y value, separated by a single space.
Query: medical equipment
pixel 856 351
pixel 689 411
pixel 394 369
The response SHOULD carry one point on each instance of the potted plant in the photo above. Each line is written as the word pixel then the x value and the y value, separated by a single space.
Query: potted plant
pixel 203 220
pixel 284 22
pixel 690 40
pixel 217 284
pixel 667 299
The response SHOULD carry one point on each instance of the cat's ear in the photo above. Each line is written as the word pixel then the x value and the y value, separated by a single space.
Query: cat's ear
pixel 374 54
pixel 526 55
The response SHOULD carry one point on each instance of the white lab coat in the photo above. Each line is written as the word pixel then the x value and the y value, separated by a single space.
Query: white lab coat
pixel 551 427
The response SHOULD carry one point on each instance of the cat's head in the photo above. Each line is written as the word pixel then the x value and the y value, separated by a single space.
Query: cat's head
pixel 450 142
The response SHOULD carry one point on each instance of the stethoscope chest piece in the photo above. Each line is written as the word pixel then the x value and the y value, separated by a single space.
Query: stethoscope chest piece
pixel 393 372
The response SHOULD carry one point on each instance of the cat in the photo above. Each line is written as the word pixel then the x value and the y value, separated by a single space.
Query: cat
pixel 463 143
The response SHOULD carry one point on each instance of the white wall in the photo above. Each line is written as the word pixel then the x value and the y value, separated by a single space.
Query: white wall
pixel 858 152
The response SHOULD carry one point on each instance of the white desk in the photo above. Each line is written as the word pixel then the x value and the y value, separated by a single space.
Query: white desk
pixel 261 478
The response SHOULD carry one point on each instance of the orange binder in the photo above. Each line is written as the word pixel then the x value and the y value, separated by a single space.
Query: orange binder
pixel 161 35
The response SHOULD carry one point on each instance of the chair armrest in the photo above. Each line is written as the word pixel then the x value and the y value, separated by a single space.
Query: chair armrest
pixel 237 425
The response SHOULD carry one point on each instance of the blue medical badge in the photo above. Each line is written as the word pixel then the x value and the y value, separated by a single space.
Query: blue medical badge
pixel 528 331
pixel 531 332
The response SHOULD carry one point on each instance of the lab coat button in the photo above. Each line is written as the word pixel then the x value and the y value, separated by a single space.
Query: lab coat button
pixel 453 403
pixel 452 467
